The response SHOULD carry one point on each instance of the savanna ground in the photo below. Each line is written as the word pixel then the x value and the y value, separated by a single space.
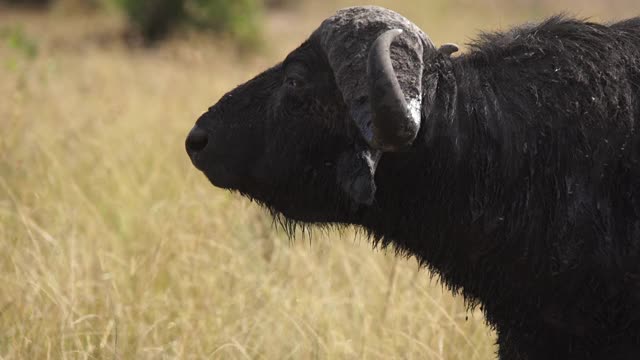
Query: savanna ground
pixel 112 246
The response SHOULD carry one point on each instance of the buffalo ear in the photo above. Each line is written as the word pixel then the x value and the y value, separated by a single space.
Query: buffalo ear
pixel 356 174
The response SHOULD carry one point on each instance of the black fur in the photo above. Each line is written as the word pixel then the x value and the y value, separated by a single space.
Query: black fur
pixel 522 190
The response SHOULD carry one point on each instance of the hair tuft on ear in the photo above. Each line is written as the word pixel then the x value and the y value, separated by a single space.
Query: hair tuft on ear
pixel 356 174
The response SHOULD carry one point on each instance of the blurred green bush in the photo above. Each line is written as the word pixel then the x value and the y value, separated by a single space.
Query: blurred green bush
pixel 279 4
pixel 241 18
pixel 36 3
pixel 24 48
pixel 154 19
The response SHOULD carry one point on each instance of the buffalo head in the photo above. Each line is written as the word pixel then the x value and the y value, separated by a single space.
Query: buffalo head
pixel 305 137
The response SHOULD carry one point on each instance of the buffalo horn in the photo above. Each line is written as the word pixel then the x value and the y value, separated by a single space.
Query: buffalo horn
pixel 393 125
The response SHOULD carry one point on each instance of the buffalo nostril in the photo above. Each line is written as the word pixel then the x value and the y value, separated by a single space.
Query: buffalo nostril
pixel 197 140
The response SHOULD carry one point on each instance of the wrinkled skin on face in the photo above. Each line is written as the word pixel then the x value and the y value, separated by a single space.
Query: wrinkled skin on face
pixel 280 137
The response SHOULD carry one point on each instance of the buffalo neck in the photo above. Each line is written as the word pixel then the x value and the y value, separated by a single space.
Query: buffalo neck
pixel 439 200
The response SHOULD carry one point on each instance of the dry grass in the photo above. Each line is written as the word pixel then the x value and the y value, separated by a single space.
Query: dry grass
pixel 113 247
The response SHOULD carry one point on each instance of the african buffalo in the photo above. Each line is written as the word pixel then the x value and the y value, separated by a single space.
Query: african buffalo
pixel 512 170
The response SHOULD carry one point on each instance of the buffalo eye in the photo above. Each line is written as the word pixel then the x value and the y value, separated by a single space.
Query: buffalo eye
pixel 294 75
pixel 292 82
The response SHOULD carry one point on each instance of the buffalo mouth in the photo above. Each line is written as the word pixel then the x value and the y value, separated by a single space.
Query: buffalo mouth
pixel 201 150
pixel 220 177
pixel 218 173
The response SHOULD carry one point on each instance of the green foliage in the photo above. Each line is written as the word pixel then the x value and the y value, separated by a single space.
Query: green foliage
pixel 281 4
pixel 78 6
pixel 240 18
pixel 30 3
pixel 25 47
pixel 154 19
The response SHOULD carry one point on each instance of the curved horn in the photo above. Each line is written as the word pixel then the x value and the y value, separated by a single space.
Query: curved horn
pixel 394 126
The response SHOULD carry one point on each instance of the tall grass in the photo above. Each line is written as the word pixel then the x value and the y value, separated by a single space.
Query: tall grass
pixel 113 247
